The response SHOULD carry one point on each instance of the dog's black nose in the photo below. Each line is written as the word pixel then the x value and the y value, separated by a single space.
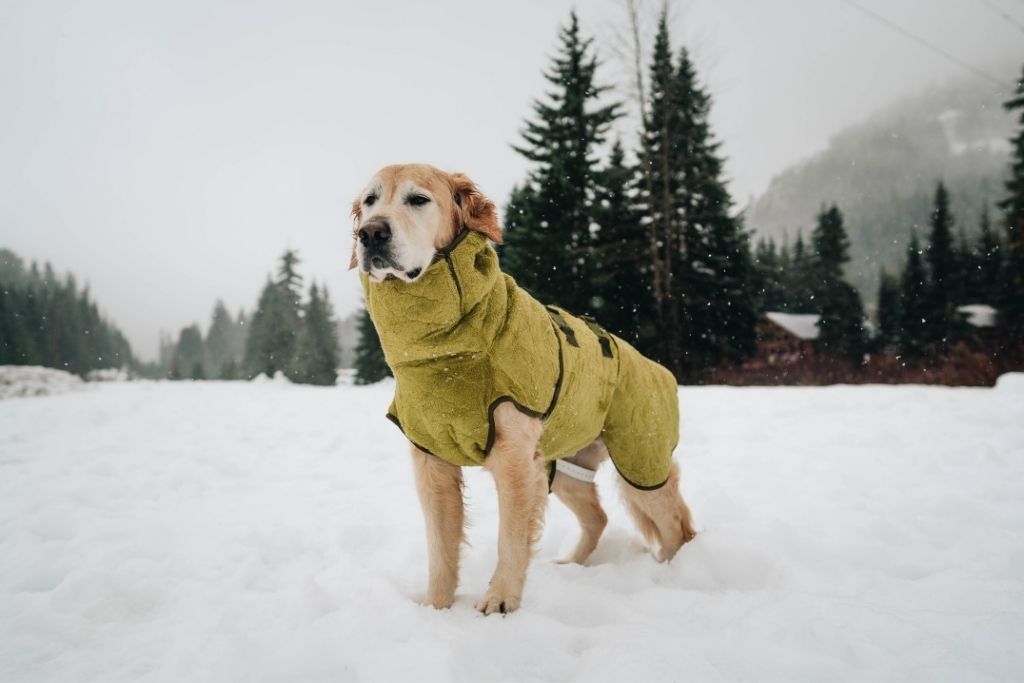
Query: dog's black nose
pixel 375 233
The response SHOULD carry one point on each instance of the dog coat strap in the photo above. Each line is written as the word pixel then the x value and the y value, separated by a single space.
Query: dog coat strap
pixel 570 335
pixel 575 471
pixel 601 334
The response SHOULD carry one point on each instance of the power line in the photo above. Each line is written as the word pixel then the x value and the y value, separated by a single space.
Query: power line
pixel 999 11
pixel 926 43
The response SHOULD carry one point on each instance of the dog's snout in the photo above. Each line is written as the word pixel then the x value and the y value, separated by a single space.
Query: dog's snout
pixel 375 233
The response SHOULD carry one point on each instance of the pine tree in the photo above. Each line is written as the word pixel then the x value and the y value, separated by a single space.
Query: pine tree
pixel 831 247
pixel 1011 306
pixel 287 276
pixel 941 261
pixel 702 273
pixel 622 300
pixel 716 288
pixel 47 320
pixel 239 337
pixel 888 312
pixel 985 281
pixel 659 159
pixel 189 356
pixel 963 262
pixel 17 312
pixel 534 267
pixel 370 365
pixel 547 249
pixel 270 345
pixel 219 339
pixel 271 342
pixel 914 287
pixel 12 269
pixel 842 323
pixel 228 370
pixel 316 351
pixel 769 277
pixel 165 357
pixel 801 278
pixel 838 303
pixel 64 342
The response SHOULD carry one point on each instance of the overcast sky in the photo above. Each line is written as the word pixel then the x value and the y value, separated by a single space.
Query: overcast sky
pixel 168 152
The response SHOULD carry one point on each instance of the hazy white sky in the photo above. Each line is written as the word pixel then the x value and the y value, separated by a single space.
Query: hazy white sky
pixel 167 152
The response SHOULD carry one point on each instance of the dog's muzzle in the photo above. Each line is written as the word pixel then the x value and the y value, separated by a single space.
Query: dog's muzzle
pixel 375 236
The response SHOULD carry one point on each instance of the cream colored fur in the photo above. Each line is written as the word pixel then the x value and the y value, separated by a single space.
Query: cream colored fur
pixel 439 486
pixel 581 497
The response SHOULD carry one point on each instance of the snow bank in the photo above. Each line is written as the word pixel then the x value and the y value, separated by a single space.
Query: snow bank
pixel 33 380
pixel 264 532
pixel 1011 381
pixel 108 375
pixel 278 378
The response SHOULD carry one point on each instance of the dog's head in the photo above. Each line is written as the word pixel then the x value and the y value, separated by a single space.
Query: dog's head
pixel 408 212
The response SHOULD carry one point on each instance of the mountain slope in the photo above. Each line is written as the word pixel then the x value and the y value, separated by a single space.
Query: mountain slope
pixel 882 174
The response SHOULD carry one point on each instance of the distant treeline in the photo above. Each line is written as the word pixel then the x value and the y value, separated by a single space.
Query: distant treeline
pixel 285 333
pixel 917 308
pixel 217 355
pixel 48 320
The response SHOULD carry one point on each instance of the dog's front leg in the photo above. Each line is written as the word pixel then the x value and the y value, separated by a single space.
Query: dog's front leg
pixel 522 496
pixel 439 486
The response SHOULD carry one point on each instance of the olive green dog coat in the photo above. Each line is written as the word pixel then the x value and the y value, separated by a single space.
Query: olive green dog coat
pixel 463 338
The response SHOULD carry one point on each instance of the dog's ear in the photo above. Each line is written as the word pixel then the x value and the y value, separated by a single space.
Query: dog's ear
pixel 477 211
pixel 357 214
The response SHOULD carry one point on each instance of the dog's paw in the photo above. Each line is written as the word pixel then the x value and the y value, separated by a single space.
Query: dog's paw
pixel 498 602
pixel 438 601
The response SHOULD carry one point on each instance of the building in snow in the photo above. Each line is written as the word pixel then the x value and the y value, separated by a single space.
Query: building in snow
pixel 784 339
pixel 978 315
pixel 982 323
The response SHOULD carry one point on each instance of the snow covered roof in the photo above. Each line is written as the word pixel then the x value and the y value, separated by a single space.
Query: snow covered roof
pixel 802 325
pixel 979 315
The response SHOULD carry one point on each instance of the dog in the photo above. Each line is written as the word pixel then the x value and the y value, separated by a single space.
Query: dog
pixel 486 375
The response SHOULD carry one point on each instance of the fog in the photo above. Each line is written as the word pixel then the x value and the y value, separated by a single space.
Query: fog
pixel 167 154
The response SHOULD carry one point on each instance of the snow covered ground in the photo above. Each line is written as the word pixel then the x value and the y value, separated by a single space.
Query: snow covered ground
pixel 32 380
pixel 265 531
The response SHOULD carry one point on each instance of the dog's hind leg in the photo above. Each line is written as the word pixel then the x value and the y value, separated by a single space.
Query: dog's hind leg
pixel 661 515
pixel 439 486
pixel 581 497
pixel 522 483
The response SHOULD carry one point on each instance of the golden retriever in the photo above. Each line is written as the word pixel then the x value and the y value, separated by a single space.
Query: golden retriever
pixel 403 217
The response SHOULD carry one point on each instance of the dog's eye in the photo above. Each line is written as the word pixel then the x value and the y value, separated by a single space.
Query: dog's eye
pixel 370 199
pixel 417 200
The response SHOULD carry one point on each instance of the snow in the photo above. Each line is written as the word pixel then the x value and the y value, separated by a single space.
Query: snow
pixel 979 315
pixel 279 378
pixel 803 325
pixel 229 531
pixel 1011 382
pixel 957 146
pixel 108 375
pixel 33 380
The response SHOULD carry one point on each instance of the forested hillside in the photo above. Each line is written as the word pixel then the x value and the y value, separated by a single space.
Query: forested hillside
pixel 47 319
pixel 883 173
